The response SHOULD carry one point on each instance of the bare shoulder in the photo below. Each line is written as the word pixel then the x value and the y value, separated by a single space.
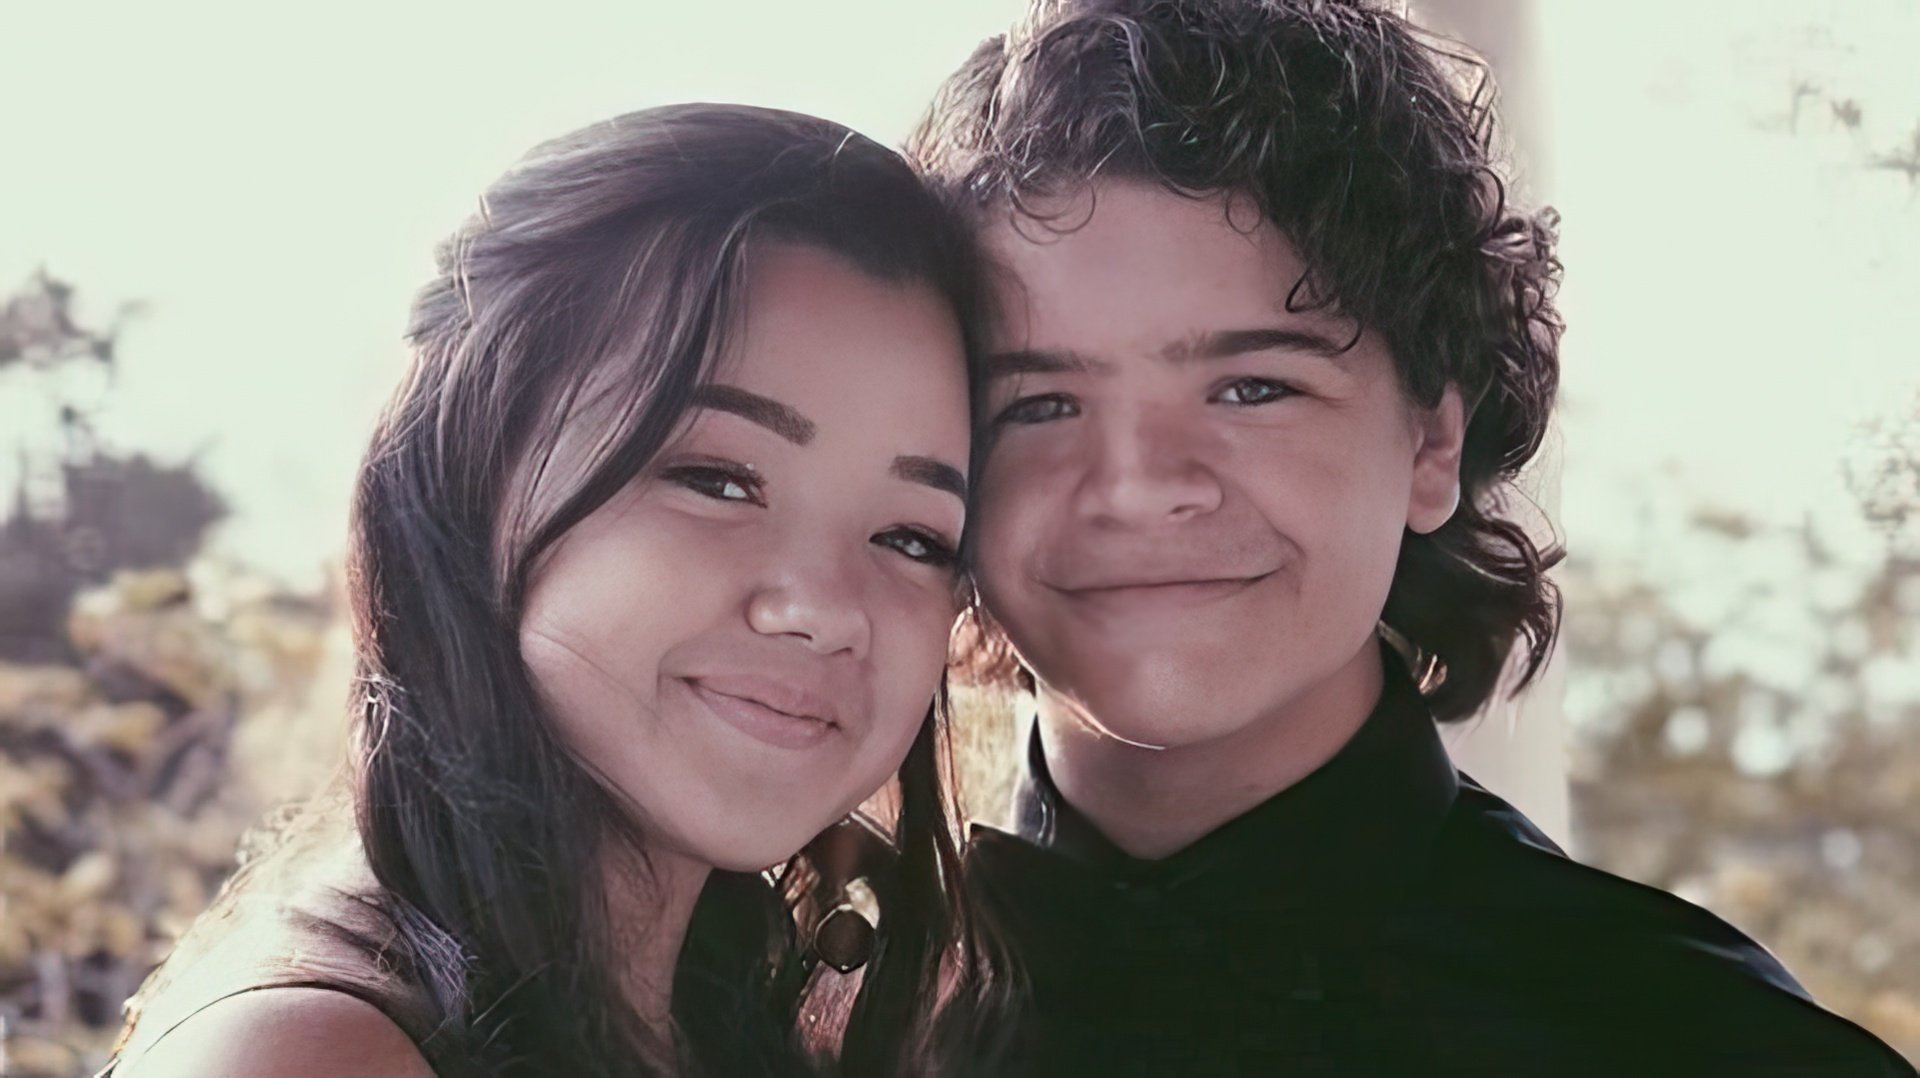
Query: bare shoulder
pixel 283 1032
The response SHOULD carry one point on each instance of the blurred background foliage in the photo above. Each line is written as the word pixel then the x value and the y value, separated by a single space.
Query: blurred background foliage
pixel 153 703
pixel 1745 711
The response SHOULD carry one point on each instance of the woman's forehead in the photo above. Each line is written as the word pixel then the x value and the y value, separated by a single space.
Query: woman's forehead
pixel 838 346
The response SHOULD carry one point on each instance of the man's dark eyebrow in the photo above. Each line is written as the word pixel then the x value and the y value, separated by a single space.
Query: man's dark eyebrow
pixel 766 411
pixel 1039 361
pixel 937 474
pixel 1224 344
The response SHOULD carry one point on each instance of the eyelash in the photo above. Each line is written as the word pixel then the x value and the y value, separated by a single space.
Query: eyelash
pixel 700 478
pixel 1016 413
pixel 1008 414
pixel 1281 391
pixel 938 555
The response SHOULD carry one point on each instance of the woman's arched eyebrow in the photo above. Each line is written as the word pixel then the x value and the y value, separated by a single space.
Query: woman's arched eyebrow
pixel 783 420
pixel 779 418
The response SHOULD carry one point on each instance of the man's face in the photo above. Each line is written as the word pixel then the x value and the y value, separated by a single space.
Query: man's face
pixel 1194 500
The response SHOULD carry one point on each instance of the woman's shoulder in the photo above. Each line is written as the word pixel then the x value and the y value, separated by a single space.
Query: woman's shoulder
pixel 316 952
pixel 290 1031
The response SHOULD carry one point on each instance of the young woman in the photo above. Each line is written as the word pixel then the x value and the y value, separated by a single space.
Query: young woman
pixel 654 558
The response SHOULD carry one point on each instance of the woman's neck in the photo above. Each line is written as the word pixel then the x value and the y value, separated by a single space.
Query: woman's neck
pixel 650 901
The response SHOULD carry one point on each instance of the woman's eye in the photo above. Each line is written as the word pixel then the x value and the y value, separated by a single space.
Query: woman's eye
pixel 1247 391
pixel 720 484
pixel 917 545
pixel 1038 409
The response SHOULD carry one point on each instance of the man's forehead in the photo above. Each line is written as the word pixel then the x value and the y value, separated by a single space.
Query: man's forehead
pixel 1054 329
pixel 1122 212
pixel 1136 263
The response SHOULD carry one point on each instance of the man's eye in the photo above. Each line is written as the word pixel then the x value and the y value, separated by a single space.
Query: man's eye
pixel 1038 409
pixel 1247 391
pixel 720 484
pixel 917 545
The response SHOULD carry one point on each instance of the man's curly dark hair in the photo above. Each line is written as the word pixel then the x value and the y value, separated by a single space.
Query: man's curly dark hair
pixel 1371 145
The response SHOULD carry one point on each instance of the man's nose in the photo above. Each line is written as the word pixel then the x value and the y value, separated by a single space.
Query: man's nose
pixel 1148 467
pixel 814 597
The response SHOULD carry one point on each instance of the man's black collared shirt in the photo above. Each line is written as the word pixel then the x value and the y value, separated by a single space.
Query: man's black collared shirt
pixel 1384 916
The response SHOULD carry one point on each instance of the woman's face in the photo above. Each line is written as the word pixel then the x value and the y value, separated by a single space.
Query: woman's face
pixel 744 642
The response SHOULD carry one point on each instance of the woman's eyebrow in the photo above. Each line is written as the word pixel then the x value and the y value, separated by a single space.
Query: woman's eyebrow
pixel 779 418
pixel 937 474
pixel 783 420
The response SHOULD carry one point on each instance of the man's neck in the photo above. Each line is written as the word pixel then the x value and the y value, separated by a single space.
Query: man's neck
pixel 1153 803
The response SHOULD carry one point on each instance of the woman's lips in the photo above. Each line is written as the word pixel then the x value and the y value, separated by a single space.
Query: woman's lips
pixel 747 704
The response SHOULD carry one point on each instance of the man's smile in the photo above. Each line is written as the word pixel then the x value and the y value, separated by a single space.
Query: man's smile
pixel 1155 593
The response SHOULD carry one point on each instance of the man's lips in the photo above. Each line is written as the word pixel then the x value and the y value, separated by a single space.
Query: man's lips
pixel 1148 585
pixel 1133 595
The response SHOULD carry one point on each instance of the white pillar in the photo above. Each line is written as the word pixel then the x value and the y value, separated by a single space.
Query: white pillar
pixel 1517 748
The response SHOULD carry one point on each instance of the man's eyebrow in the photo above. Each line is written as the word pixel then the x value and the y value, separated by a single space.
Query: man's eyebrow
pixel 1040 361
pixel 1219 344
pixel 1223 344
pixel 766 411
pixel 937 474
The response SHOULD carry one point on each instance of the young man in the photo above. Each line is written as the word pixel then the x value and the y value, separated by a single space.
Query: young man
pixel 1271 346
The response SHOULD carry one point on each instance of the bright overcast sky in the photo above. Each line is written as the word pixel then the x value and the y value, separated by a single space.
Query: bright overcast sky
pixel 271 185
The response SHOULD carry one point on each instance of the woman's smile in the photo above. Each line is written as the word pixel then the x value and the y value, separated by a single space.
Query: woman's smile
pixel 777 713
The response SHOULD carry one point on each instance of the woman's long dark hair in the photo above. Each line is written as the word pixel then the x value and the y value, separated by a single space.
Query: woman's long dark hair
pixel 601 273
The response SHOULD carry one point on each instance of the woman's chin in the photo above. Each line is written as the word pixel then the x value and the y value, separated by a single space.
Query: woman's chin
pixel 757 858
pixel 753 849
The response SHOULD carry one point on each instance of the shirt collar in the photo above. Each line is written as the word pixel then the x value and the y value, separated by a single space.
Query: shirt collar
pixel 1369 810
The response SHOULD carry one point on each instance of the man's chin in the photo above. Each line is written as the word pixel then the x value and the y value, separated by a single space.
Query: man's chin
pixel 1174 727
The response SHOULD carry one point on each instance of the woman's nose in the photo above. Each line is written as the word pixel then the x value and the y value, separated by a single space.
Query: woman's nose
pixel 817 601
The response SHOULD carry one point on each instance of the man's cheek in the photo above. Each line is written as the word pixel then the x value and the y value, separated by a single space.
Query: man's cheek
pixel 995 559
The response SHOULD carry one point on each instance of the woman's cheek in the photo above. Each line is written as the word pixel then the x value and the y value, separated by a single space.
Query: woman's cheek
pixel 699 550
pixel 912 648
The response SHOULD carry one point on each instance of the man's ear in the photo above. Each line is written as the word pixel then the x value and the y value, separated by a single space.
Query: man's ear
pixel 1439 432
